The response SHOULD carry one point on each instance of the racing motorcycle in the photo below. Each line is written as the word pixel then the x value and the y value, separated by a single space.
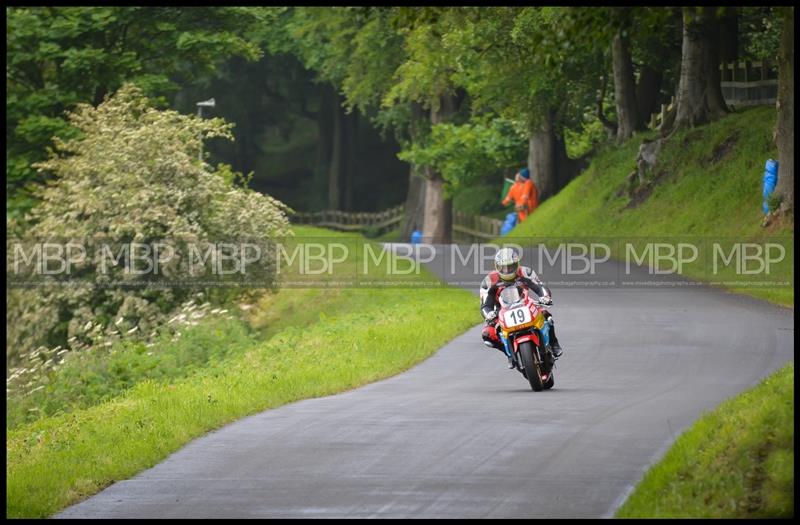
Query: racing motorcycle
pixel 524 332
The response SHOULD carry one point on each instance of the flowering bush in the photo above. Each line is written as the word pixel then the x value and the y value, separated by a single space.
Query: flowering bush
pixel 131 176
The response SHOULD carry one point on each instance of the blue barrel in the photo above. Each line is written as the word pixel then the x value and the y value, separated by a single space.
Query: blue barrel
pixel 770 181
pixel 508 225
pixel 416 237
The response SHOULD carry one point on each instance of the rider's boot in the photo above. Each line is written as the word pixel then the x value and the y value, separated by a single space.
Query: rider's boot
pixel 555 347
pixel 510 363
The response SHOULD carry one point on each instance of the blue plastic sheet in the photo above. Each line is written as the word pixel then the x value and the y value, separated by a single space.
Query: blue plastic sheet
pixel 770 181
pixel 508 225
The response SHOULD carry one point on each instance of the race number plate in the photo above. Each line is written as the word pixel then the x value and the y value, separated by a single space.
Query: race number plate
pixel 517 316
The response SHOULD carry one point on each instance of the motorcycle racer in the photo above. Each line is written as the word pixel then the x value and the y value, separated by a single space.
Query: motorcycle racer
pixel 508 272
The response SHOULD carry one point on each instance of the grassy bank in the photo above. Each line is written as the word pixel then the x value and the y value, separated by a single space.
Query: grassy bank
pixel 90 377
pixel 303 343
pixel 735 462
pixel 707 184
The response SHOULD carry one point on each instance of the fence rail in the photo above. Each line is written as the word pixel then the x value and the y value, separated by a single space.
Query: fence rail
pixel 656 119
pixel 351 221
pixel 476 226
pixel 469 226
pixel 743 83
pixel 747 83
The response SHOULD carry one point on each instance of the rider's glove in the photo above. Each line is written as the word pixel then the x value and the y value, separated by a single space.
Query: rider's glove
pixel 490 317
pixel 545 300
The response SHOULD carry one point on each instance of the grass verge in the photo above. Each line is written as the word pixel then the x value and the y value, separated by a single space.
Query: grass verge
pixel 735 462
pixel 312 342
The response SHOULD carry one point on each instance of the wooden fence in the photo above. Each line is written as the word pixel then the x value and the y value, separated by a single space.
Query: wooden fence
pixel 467 227
pixel 749 83
pixel 745 83
pixel 657 118
pixel 351 221
pixel 476 227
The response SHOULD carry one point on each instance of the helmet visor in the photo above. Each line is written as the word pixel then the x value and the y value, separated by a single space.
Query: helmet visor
pixel 507 270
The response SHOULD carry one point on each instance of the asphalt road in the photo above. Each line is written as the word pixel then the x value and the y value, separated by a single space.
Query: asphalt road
pixel 460 436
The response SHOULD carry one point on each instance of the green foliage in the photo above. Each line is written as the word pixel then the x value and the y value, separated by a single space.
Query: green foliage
pixel 61 56
pixel 585 140
pixel 354 48
pixel 760 32
pixel 465 153
pixel 426 72
pixel 132 175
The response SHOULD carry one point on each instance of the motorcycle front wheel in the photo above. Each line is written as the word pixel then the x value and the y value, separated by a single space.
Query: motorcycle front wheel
pixel 550 381
pixel 532 370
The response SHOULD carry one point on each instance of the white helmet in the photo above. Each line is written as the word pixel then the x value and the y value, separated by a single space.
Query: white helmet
pixel 506 263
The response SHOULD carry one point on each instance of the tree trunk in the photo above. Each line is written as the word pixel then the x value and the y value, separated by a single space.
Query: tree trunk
pixel 551 169
pixel 438 223
pixel 611 127
pixel 542 157
pixel 438 211
pixel 785 127
pixel 335 168
pixel 414 217
pixel 415 205
pixel 716 100
pixel 699 96
pixel 566 168
pixel 624 89
pixel 325 119
pixel 350 158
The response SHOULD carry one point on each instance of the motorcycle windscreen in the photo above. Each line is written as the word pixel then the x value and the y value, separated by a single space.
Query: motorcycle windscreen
pixel 510 295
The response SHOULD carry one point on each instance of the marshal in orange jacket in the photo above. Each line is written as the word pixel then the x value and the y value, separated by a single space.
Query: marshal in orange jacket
pixel 525 197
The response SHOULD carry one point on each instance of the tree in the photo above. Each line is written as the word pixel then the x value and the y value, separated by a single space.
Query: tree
pixel 785 125
pixel 60 56
pixel 513 62
pixel 426 77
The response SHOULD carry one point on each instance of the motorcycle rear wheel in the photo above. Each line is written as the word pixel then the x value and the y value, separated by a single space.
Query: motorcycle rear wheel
pixel 532 370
